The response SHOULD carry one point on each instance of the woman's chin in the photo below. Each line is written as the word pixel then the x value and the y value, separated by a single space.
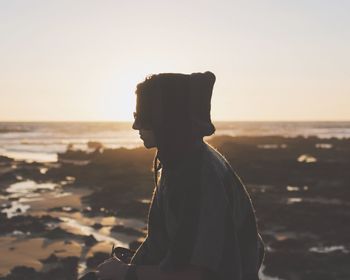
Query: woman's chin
pixel 148 145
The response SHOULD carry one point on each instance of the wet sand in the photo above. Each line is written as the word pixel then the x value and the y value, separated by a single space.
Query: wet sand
pixel 28 251
pixel 47 217
pixel 70 212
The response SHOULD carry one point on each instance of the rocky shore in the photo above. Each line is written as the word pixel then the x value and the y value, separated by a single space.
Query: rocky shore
pixel 60 219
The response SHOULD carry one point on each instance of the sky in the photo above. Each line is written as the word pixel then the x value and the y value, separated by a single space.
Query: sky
pixel 274 60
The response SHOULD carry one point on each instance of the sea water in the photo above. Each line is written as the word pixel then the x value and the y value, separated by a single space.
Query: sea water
pixel 41 141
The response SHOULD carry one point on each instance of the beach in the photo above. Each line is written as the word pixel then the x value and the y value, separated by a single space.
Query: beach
pixel 63 208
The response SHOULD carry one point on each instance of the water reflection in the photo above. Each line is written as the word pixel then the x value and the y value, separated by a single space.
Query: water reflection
pixel 20 193
pixel 306 158
pixel 296 188
pixel 324 146
pixel 329 249
pixel 292 200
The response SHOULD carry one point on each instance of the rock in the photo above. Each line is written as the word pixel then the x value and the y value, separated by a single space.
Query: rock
pixel 89 240
pixel 4 159
pixel 23 273
pixel 23 223
pixel 96 259
pixel 95 145
pixel 58 233
pixel 97 226
pixel 51 259
pixel 66 268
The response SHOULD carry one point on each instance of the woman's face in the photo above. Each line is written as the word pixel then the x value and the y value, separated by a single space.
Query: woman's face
pixel 148 138
pixel 147 135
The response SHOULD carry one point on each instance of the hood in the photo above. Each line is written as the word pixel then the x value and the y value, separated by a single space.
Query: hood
pixel 176 103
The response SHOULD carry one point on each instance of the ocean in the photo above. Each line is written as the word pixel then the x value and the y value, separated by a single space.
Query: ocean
pixel 41 141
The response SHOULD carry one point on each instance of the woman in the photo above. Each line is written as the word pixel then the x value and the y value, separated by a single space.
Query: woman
pixel 201 223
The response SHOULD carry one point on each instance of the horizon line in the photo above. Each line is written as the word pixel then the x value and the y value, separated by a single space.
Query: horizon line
pixel 124 121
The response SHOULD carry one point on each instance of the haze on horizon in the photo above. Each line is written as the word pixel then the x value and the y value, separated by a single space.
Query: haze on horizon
pixel 81 60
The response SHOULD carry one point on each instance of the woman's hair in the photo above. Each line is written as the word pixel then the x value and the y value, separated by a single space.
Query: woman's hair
pixel 156 167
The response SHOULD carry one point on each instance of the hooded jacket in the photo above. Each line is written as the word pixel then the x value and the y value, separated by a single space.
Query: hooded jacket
pixel 201 213
pixel 177 108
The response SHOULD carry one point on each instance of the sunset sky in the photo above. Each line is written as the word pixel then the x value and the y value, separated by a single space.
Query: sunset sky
pixel 81 60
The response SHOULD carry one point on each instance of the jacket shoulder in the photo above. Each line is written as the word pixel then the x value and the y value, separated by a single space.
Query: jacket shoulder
pixel 231 186
pixel 214 174
pixel 215 160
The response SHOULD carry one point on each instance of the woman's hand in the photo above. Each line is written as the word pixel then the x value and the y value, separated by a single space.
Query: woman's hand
pixel 112 269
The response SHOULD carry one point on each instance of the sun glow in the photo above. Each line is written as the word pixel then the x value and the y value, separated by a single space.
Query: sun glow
pixel 59 65
pixel 118 98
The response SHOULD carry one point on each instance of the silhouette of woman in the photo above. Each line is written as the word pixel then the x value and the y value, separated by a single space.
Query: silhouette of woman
pixel 201 222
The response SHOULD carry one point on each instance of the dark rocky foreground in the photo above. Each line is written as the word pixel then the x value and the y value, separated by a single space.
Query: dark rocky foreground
pixel 299 187
pixel 54 269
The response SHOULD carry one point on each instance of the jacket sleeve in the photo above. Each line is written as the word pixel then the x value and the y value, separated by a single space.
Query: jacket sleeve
pixel 153 248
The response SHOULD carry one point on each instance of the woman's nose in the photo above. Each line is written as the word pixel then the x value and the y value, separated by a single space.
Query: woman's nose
pixel 135 126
